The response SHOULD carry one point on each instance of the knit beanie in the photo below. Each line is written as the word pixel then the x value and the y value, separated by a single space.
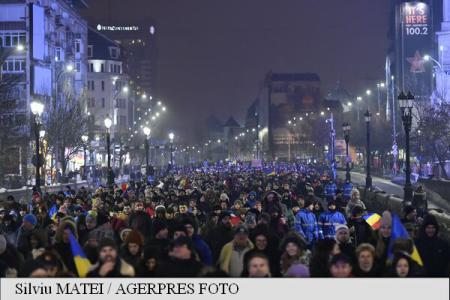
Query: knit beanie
pixel 297 270
pixel 30 218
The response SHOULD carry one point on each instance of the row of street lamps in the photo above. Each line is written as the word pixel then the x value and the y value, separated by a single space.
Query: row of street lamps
pixel 406 104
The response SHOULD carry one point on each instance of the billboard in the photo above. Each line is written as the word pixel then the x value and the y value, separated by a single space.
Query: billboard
pixel 42 81
pixel 416 40
pixel 37 32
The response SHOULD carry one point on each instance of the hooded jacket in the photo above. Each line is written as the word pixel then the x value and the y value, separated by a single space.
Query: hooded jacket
pixel 306 226
pixel 328 221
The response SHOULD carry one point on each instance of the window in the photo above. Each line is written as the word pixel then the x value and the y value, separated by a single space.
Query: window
pixel 93 85
pixel 77 46
pixel 13 66
pixel 114 52
pixel 90 51
pixel 58 54
pixel 12 39
pixel 91 102
pixel 91 67
pixel 78 66
pixel 118 69
pixel 102 67
pixel 103 102
pixel 103 85
pixel 110 68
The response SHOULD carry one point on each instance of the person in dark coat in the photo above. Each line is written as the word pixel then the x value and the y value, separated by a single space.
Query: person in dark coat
pixel 151 259
pixel 434 251
pixel 140 220
pixel 181 262
pixel 9 255
pixel 131 250
pixel 360 230
pixel 261 240
pixel 201 247
pixel 323 251
pixel 29 222
pixel 109 262
pixel 220 235
pixel 62 245
pixel 160 238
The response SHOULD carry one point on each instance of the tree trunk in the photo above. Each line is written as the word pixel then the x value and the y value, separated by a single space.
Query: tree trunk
pixel 442 165
pixel 62 160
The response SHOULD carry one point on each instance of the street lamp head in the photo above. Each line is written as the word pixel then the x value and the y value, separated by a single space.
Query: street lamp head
pixel 359 98
pixel 367 116
pixel 144 96
pixel 84 138
pixel 37 108
pixel 441 48
pixel 368 92
pixel 382 84
pixel 164 108
pixel 146 131
pixel 69 68
pixel 41 133
pixel 402 99
pixel 171 136
pixel 348 104
pixel 20 47
pixel 125 89
pixel 108 122
pixel 426 57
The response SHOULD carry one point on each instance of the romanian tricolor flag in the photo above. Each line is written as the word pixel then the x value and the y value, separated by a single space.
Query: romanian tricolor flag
pixel 81 261
pixel 399 232
pixel 374 220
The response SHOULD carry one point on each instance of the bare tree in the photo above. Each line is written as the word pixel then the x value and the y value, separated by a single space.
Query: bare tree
pixel 65 123
pixel 433 123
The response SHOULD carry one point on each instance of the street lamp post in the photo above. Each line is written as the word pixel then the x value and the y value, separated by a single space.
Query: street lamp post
pixel 368 116
pixel 406 104
pixel 147 150
pixel 37 108
pixel 84 138
pixel 346 128
pixel 108 123
pixel 171 137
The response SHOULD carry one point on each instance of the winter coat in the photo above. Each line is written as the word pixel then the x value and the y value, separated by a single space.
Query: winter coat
pixel 328 222
pixel 306 226
pixel 435 254
pixel 179 268
pixel 348 187
pixel 121 269
pixel 23 241
pixel 361 232
pixel 226 256
pixel 351 204
pixel 65 251
pixel 142 222
pixel 217 238
pixel 203 250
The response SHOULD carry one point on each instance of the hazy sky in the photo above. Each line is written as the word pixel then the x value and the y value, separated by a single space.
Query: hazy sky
pixel 212 54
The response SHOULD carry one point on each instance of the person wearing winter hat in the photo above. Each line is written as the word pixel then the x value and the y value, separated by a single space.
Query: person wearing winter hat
pixel 433 250
pixel 151 259
pixel 109 262
pixel 306 223
pixel 232 254
pixel 355 200
pixel 29 222
pixel 343 239
pixel 411 221
pixel 330 219
pixel 160 237
pixel 66 228
pixel 131 250
pixel 181 261
pixel 294 252
pixel 201 247
pixel 221 234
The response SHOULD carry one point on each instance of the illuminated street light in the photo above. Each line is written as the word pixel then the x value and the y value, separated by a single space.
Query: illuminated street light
pixel 368 92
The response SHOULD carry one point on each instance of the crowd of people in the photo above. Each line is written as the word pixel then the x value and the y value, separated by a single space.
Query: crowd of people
pixel 217 221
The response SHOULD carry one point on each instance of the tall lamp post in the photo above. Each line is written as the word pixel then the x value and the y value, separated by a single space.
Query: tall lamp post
pixel 108 123
pixel 406 104
pixel 346 129
pixel 147 150
pixel 84 138
pixel 37 108
pixel 368 116
pixel 171 137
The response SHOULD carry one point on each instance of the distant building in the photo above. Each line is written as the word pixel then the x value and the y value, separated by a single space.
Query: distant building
pixel 108 88
pixel 46 42
pixel 285 96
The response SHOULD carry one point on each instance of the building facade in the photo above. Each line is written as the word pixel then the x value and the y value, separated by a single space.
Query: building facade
pixel 45 45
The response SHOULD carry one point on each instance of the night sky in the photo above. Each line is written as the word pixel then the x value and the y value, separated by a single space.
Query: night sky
pixel 213 54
